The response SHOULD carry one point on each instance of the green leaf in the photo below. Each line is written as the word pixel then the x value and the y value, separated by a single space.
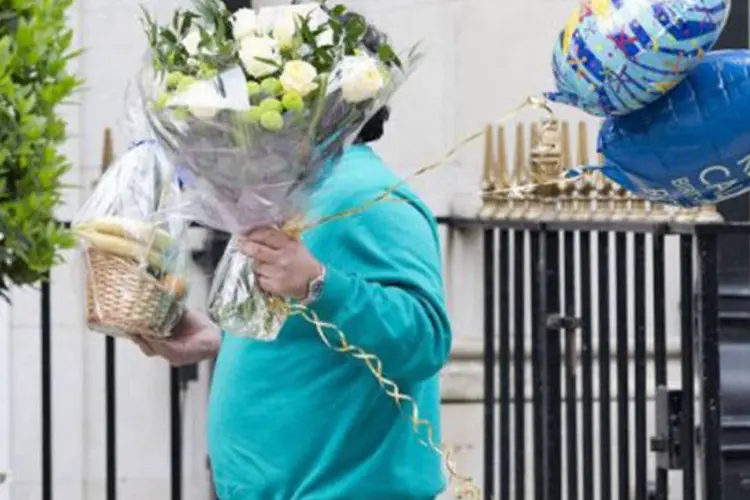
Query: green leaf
pixel 339 10
pixel 35 76
pixel 388 56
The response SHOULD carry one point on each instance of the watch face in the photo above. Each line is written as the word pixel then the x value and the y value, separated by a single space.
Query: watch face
pixel 316 289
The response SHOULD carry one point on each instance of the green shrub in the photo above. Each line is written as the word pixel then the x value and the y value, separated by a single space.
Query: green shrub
pixel 35 51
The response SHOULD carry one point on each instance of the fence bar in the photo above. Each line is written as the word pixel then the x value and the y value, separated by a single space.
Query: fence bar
pixel 641 438
pixel 623 427
pixel 46 375
pixel 587 369
pixel 709 371
pixel 110 411
pixel 660 342
pixel 489 364
pixel 519 361
pixel 571 366
pixel 687 437
pixel 604 247
pixel 504 324
pixel 537 368
pixel 176 432
pixel 552 353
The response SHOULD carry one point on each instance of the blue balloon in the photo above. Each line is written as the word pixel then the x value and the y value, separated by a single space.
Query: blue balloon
pixel 691 147
pixel 617 56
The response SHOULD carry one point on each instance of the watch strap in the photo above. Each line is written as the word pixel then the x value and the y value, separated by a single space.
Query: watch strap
pixel 315 287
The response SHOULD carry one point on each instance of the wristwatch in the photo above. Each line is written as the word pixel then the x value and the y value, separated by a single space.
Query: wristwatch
pixel 315 288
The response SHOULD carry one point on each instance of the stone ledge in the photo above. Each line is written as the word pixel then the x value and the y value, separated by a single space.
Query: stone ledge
pixel 462 378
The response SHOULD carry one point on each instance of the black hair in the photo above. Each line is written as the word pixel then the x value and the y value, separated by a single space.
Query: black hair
pixel 235 5
pixel 373 129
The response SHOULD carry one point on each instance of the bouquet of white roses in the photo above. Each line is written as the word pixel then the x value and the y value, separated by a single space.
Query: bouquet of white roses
pixel 249 107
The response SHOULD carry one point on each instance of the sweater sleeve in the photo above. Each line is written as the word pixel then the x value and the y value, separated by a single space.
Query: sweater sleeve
pixel 384 289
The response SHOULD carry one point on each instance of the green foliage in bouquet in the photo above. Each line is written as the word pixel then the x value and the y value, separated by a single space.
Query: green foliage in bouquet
pixel 35 49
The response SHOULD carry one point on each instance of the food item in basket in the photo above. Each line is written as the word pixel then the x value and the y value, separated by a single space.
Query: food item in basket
pixel 130 229
pixel 137 240
pixel 132 284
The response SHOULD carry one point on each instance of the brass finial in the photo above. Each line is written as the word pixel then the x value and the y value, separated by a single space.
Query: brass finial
pixel 638 208
pixel 660 212
pixel 708 214
pixel 568 188
pixel 602 195
pixel 502 202
pixel 488 180
pixel 108 150
pixel 546 166
pixel 521 203
pixel 583 204
pixel 620 198
pixel 687 214
pixel 108 155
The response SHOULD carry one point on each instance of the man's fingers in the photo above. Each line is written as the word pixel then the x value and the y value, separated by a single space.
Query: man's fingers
pixel 259 252
pixel 269 237
pixel 143 345
pixel 265 270
pixel 268 285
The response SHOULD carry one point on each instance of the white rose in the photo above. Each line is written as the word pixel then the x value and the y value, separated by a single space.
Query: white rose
pixel 203 112
pixel 325 38
pixel 253 48
pixel 191 41
pixel 284 30
pixel 245 23
pixel 360 78
pixel 299 76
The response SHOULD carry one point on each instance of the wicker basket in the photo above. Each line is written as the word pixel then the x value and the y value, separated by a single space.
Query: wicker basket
pixel 123 300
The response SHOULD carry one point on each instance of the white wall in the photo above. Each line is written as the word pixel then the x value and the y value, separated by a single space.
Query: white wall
pixel 5 396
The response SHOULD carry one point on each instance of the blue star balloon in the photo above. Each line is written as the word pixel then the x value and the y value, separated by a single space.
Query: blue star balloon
pixel 692 146
pixel 616 56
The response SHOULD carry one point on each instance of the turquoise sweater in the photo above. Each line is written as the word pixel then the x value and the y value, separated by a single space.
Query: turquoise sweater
pixel 293 420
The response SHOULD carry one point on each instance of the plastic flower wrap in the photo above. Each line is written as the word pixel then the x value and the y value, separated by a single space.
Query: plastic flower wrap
pixel 134 250
pixel 250 107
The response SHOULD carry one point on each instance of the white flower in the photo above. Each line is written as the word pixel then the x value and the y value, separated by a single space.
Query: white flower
pixel 299 76
pixel 191 41
pixel 203 112
pixel 253 48
pixel 245 23
pixel 360 78
pixel 284 30
pixel 325 38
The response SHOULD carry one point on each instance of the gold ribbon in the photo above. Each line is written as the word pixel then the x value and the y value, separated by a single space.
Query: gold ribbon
pixel 465 488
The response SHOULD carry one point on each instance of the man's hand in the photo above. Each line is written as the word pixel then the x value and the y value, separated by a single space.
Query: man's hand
pixel 283 265
pixel 194 339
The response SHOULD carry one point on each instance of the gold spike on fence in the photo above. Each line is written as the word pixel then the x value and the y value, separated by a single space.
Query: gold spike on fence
pixel 488 177
pixel 108 154
pixel 583 208
pixel 547 154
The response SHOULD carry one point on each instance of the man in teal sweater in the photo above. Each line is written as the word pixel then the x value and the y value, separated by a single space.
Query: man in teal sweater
pixel 294 420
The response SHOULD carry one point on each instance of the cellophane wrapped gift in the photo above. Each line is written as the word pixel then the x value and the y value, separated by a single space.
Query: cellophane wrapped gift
pixel 250 107
pixel 134 247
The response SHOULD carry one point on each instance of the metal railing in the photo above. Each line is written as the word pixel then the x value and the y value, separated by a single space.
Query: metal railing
pixel 110 412
pixel 547 361
pixel 548 296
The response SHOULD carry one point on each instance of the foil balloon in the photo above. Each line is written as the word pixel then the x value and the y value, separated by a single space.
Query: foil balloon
pixel 691 147
pixel 616 56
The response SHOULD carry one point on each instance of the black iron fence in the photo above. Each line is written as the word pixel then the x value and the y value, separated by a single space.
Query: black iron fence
pixel 622 403
pixel 577 345
pixel 110 466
